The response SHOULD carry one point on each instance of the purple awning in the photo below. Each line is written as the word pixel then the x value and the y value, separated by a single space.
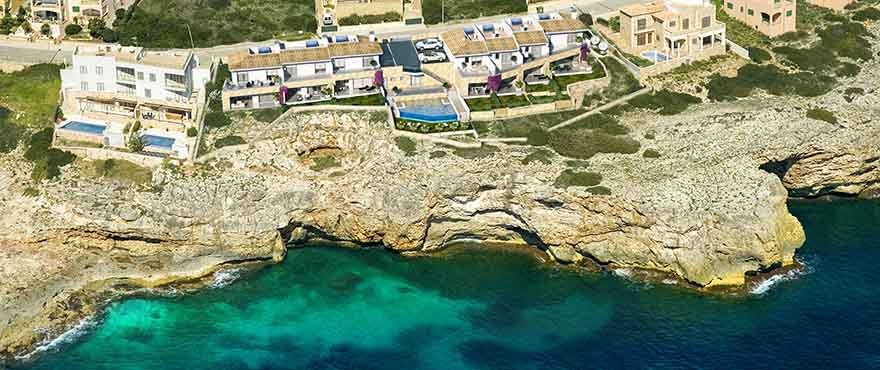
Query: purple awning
pixel 585 51
pixel 379 79
pixel 282 94
pixel 494 83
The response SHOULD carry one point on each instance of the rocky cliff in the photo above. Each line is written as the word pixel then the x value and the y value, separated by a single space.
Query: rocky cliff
pixel 710 210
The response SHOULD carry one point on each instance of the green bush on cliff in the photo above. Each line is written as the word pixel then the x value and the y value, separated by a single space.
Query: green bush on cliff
pixel 822 115
pixel 47 160
pixel 11 134
pixel 665 102
pixel 577 178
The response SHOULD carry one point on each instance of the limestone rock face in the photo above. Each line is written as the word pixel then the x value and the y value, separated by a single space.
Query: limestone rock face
pixel 704 211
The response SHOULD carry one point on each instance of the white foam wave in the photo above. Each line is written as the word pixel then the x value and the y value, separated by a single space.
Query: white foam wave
pixel 223 278
pixel 670 281
pixel 623 272
pixel 69 336
pixel 767 284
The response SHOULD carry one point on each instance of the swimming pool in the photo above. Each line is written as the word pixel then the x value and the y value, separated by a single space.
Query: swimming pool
pixel 85 128
pixel 655 56
pixel 430 112
pixel 165 143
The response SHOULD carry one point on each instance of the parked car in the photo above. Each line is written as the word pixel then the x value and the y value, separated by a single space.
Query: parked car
pixel 429 44
pixel 429 56
pixel 603 48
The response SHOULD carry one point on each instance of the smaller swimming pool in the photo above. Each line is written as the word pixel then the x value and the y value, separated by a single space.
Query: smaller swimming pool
pixel 430 112
pixel 85 127
pixel 161 142
pixel 655 56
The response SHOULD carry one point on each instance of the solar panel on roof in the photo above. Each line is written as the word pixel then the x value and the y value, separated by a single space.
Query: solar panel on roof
pixel 516 21
pixel 468 30
pixel 264 50
pixel 341 38
pixel 312 43
pixel 488 27
pixel 543 17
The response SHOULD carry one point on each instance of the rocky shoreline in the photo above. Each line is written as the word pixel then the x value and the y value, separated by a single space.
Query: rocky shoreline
pixel 710 211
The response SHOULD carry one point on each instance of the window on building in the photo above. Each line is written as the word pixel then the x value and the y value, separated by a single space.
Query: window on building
pixel 148 93
pixel 99 71
pixel 99 86
pixel 642 39
pixel 788 13
pixel 765 17
pixel 174 80
pixel 241 77
pixel 641 24
pixel 729 5
pixel 76 9
pixel 140 76
pixel 83 69
pixel 84 86
pixel 320 68
pixel 707 21
pixel 751 12
pixel 685 23
pixel 152 77
pixel 741 9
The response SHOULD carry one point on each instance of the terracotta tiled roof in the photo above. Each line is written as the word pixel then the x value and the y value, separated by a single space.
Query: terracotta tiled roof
pixel 501 44
pixel 350 49
pixel 304 55
pixel 459 45
pixel 248 61
pixel 531 38
pixel 563 25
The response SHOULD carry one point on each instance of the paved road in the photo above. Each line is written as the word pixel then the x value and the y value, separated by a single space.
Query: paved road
pixel 31 55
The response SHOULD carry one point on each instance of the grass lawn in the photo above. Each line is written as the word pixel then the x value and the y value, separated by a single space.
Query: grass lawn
pixel 433 10
pixel 513 101
pixel 122 170
pixel 31 95
pixel 163 23
pixel 484 104
pixel 430 128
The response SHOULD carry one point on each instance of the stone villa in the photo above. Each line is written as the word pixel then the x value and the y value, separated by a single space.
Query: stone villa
pixel 770 17
pixel 508 53
pixel 664 30
pixel 109 88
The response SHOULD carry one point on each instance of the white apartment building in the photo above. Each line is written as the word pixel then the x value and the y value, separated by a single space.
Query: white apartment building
pixel 115 85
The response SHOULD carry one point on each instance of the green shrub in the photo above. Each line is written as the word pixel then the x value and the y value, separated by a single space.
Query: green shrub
pixel 541 155
pixel 665 102
pixel 123 171
pixel 406 145
pixel 848 70
pixel 822 115
pixel 229 141
pixel 570 178
pixel 602 122
pixel 759 55
pixel 136 144
pixel 323 163
pixel 537 136
pixel 476 153
pixel 217 119
pixel 72 29
pixel 651 153
pixel 192 132
pixel 433 10
pixel 867 14
pixel 583 143
pixel 11 134
pixel 614 23
pixel 47 160
pixel 599 190
pixel 769 78
pixel 438 154
pixel 355 19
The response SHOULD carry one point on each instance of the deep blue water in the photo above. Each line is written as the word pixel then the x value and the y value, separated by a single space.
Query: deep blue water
pixel 330 308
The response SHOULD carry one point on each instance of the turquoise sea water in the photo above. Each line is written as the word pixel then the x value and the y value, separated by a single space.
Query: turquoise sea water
pixel 329 308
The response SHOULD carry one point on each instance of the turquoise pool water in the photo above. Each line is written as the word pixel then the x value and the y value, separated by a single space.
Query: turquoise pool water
pixel 436 112
pixel 161 142
pixel 332 308
pixel 85 127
